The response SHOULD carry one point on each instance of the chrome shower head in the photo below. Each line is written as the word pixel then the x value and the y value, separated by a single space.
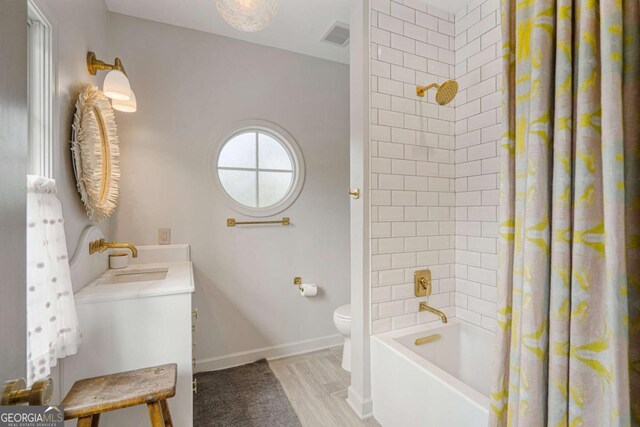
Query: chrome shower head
pixel 447 91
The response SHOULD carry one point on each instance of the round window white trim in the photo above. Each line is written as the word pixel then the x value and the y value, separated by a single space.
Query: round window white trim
pixel 291 147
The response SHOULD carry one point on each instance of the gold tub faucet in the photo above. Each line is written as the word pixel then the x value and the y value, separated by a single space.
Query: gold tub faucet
pixel 425 307
pixel 101 246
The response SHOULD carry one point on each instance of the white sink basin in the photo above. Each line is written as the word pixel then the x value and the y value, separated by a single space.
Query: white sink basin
pixel 150 275
pixel 136 276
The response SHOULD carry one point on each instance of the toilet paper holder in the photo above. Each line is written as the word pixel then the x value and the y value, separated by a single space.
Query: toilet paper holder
pixel 305 289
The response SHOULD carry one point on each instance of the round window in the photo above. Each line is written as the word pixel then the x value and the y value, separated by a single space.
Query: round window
pixel 260 169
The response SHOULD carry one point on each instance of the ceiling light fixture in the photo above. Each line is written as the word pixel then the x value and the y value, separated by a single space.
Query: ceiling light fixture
pixel 116 83
pixel 247 15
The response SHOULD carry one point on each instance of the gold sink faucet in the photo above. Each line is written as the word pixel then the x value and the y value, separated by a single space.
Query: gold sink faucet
pixel 101 246
pixel 425 307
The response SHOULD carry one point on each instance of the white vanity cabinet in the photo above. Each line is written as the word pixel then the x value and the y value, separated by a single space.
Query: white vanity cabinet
pixel 128 326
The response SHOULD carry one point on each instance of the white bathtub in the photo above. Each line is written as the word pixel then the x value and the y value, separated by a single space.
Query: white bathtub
pixel 444 383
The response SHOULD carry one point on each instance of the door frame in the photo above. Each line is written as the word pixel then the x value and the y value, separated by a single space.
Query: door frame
pixel 359 394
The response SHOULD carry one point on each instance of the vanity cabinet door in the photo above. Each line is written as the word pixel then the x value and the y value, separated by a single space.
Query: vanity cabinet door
pixel 131 334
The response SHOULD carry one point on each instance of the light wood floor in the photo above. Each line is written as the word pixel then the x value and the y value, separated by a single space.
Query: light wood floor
pixel 316 385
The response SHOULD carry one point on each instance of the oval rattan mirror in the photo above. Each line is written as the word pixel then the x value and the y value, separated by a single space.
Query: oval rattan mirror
pixel 96 153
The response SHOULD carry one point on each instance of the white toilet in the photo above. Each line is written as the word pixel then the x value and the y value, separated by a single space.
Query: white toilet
pixel 342 320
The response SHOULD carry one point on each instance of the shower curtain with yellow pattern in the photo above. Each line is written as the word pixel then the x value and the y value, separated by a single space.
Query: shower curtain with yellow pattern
pixel 569 276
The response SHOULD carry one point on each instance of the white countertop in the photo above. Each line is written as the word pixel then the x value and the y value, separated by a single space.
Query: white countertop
pixel 179 280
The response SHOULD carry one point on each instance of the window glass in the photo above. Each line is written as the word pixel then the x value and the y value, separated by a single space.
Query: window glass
pixel 272 154
pixel 274 186
pixel 240 185
pixel 239 152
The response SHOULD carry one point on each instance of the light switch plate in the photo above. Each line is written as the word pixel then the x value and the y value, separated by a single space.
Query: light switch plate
pixel 164 236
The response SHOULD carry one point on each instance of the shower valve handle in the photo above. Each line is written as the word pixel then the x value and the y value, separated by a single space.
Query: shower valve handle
pixel 425 285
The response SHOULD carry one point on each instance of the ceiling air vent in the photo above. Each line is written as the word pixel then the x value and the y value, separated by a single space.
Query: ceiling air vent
pixel 337 35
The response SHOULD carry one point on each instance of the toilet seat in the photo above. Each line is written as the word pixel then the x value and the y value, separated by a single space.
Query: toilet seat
pixel 343 312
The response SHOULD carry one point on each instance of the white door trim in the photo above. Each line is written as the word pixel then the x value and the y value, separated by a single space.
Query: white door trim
pixel 359 397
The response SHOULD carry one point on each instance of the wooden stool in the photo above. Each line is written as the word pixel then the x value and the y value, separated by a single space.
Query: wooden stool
pixel 90 397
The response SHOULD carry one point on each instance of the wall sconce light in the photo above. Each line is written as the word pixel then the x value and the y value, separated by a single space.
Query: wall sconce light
pixel 129 106
pixel 116 84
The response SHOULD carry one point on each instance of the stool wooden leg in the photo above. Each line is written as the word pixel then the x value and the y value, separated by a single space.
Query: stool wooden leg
pixel 90 421
pixel 155 414
pixel 166 414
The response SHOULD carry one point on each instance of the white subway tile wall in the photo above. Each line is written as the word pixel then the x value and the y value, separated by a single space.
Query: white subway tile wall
pixel 412 161
pixel 477 130
pixel 434 169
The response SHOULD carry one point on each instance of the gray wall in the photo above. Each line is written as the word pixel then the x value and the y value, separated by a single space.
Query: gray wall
pixel 81 25
pixel 13 171
pixel 191 87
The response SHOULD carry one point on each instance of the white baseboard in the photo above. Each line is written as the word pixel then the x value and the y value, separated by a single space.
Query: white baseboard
pixel 269 353
pixel 362 407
